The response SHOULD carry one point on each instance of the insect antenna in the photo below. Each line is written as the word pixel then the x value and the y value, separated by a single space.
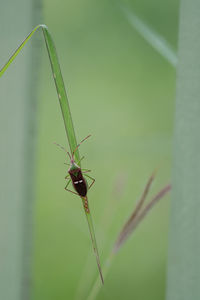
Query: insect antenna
pixel 63 149
pixel 80 144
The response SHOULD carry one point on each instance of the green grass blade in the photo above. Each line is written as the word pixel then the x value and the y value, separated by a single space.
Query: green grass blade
pixel 157 41
pixel 13 56
pixel 184 238
pixel 68 124
pixel 60 87
pixel 64 104
pixel 107 218
pixel 93 238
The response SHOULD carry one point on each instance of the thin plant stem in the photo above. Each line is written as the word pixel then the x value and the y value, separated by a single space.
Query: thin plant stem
pixel 104 226
pixel 139 204
pixel 93 238
pixel 138 218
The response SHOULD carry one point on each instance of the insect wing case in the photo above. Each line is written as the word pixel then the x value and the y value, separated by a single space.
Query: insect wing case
pixel 78 181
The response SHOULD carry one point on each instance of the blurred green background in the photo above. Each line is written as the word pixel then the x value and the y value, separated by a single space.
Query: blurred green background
pixel 122 92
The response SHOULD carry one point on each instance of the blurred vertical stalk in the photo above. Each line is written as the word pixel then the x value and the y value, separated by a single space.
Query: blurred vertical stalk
pixel 17 136
pixel 184 248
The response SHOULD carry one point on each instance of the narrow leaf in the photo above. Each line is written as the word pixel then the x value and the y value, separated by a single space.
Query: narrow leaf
pixel 131 225
pixel 93 238
pixel 64 104
pixel 57 75
pixel 137 208
pixel 16 52
pixel 107 218
pixel 60 87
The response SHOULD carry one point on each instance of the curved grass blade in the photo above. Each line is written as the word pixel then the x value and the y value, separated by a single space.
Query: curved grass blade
pixel 158 42
pixel 16 52
pixel 135 212
pixel 60 87
pixel 133 222
pixel 64 104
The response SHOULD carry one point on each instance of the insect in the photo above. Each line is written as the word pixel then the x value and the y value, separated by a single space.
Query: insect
pixel 75 175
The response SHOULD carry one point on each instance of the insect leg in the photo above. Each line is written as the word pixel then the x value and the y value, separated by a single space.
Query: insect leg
pixel 85 170
pixel 67 176
pixel 77 162
pixel 70 190
pixel 93 181
pixel 80 160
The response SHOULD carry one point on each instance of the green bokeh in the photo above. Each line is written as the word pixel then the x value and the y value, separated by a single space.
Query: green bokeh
pixel 122 92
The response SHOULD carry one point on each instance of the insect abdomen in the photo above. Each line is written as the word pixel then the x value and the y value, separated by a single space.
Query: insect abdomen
pixel 81 187
pixel 79 183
